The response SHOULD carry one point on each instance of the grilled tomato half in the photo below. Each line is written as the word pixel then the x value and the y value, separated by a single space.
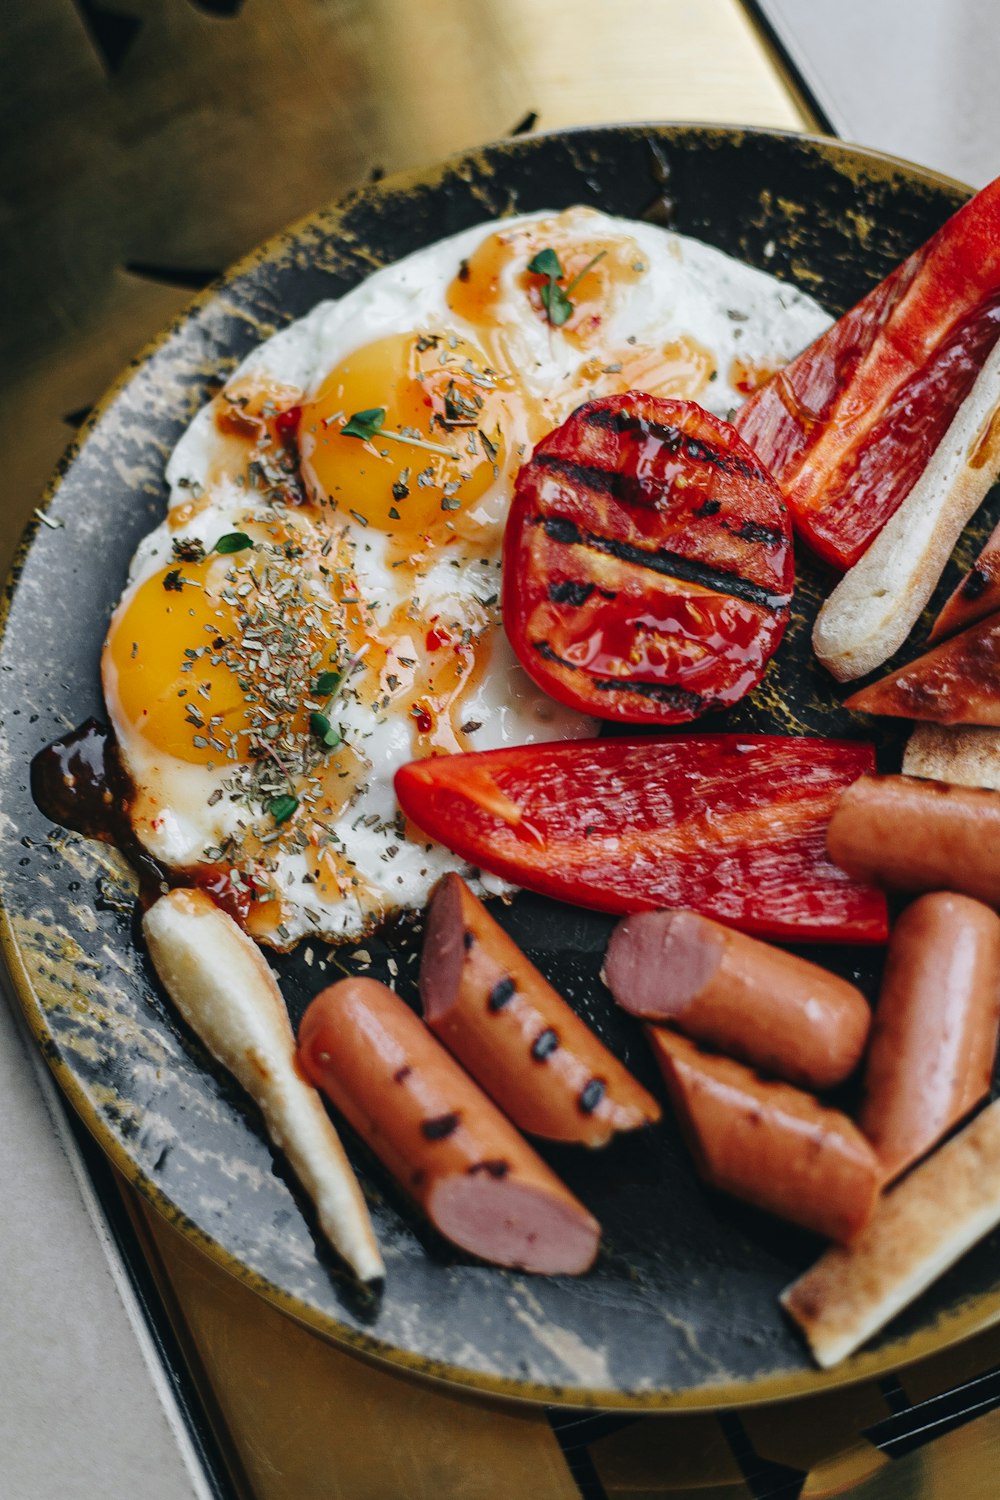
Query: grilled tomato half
pixel 647 564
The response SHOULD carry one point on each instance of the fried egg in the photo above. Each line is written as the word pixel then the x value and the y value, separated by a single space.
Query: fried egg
pixel 321 602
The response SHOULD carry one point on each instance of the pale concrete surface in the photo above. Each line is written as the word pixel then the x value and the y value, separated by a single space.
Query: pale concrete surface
pixel 917 78
pixel 85 1411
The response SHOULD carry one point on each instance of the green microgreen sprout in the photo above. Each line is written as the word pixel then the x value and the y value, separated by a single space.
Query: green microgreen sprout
pixel 281 808
pixel 327 685
pixel 558 300
pixel 367 425
pixel 233 541
pixel 327 733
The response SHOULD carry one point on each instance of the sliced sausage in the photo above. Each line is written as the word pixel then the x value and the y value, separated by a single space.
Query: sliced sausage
pixel 775 1011
pixel 442 1139
pixel 913 835
pixel 768 1143
pixel 935 1032
pixel 518 1038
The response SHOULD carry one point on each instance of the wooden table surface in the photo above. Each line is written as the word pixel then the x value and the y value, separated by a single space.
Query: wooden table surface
pixel 149 144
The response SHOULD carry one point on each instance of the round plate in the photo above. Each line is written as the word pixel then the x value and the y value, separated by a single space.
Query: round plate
pixel 681 1307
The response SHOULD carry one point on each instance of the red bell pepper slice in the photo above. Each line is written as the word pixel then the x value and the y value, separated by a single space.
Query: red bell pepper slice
pixel 848 427
pixel 733 826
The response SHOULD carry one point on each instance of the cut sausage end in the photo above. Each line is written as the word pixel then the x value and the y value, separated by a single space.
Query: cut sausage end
pixel 514 1224
pixel 658 962
pixel 441 1138
pixel 444 951
pixel 747 999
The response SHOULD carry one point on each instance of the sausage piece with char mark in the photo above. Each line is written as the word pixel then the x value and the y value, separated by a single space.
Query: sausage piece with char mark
pixel 518 1038
pixel 768 1143
pixel 935 1031
pixel 912 835
pixel 773 1010
pixel 446 1144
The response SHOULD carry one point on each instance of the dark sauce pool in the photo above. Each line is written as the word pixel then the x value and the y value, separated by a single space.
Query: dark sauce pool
pixel 80 783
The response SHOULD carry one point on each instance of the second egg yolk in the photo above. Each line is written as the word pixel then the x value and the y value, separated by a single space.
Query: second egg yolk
pixel 435 389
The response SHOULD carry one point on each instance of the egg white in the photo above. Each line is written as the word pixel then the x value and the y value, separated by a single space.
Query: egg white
pixel 687 290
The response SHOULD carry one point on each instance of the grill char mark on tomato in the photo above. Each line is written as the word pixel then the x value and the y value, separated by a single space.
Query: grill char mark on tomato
pixel 629 492
pixel 629 484
pixel 569 592
pixel 674 697
pixel 647 563
pixel 668 564
pixel 606 482
pixel 678 698
pixel 676 441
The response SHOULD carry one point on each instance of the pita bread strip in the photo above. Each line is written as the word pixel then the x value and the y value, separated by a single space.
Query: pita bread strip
pixel 964 754
pixel 918 1231
pixel 221 984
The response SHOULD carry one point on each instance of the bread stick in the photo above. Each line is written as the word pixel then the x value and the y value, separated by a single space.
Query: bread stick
pixel 222 986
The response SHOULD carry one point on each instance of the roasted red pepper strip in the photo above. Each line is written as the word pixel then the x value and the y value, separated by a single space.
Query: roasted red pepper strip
pixel 848 427
pixel 733 826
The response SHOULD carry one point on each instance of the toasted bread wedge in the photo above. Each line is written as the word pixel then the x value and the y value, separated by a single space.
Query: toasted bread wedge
pixel 957 682
pixel 963 754
pixel 918 1231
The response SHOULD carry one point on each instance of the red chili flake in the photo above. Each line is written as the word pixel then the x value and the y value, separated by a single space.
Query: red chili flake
pixel 216 882
pixel 424 721
pixel 437 638
pixel 286 423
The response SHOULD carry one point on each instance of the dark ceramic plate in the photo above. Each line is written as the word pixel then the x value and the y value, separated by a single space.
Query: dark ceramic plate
pixel 681 1307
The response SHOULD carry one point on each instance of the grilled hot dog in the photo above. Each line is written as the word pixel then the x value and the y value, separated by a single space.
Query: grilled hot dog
pixel 768 1143
pixel 915 835
pixel 528 1049
pixel 750 1000
pixel 442 1139
pixel 935 1031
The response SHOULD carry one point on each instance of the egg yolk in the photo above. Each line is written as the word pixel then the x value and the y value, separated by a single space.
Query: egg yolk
pixel 214 660
pixel 442 442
